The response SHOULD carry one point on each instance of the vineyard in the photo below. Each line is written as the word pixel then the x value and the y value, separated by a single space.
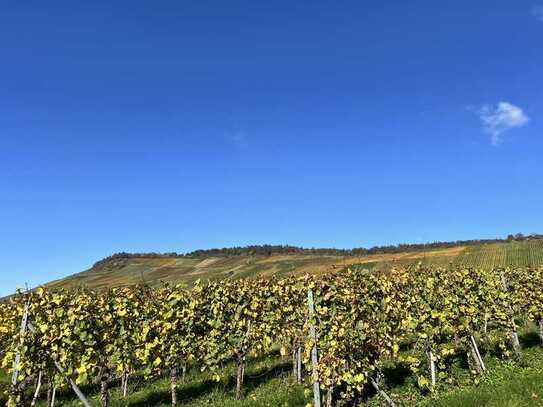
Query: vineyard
pixel 153 269
pixel 341 331
pixel 490 255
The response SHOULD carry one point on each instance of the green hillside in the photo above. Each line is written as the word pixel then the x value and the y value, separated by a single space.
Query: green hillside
pixel 121 271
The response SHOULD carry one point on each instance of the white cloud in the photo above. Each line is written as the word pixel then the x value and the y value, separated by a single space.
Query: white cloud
pixel 501 118
pixel 239 139
pixel 537 12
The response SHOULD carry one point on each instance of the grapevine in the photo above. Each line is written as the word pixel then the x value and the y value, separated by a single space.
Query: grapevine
pixel 361 320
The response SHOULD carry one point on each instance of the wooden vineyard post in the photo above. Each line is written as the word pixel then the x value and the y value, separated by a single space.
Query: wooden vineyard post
pixel 53 396
pixel 243 369
pixel 382 393
pixel 16 396
pixel 74 386
pixel 297 361
pixel 17 360
pixel 173 384
pixel 59 368
pixel 330 396
pixel 49 393
pixel 125 383
pixel 299 364
pixel 37 392
pixel 540 326
pixel 431 367
pixel 122 382
pixel 314 355
pixel 479 364
pixel 515 343
pixel 294 362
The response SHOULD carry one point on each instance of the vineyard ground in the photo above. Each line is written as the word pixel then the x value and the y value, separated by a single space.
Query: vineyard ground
pixel 4 379
pixel 268 383
pixel 506 383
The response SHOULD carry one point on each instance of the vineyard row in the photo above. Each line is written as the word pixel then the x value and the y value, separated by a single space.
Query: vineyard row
pixel 341 328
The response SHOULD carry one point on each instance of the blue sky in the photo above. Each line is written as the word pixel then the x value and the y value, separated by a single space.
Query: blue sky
pixel 171 126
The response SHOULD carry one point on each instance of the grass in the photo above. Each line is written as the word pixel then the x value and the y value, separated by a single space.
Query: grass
pixel 505 383
pixel 520 390
pixel 268 383
pixel 4 380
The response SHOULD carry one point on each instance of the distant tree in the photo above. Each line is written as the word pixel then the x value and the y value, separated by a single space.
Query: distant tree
pixel 118 260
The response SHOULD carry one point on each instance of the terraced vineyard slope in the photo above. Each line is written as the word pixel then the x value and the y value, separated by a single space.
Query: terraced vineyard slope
pixel 126 271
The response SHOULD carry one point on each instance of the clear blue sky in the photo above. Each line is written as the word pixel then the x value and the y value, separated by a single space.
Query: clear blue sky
pixel 173 125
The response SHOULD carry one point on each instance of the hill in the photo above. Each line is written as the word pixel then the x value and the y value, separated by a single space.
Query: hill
pixel 126 269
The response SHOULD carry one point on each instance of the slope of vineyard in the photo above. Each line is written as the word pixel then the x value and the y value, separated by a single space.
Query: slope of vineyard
pixel 417 332
pixel 487 256
pixel 390 315
pixel 151 270
pixel 123 272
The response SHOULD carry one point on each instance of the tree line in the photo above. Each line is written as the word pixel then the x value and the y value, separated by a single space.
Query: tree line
pixel 272 250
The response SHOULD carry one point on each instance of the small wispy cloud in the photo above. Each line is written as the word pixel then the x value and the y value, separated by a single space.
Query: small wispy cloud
pixel 239 139
pixel 537 12
pixel 501 118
